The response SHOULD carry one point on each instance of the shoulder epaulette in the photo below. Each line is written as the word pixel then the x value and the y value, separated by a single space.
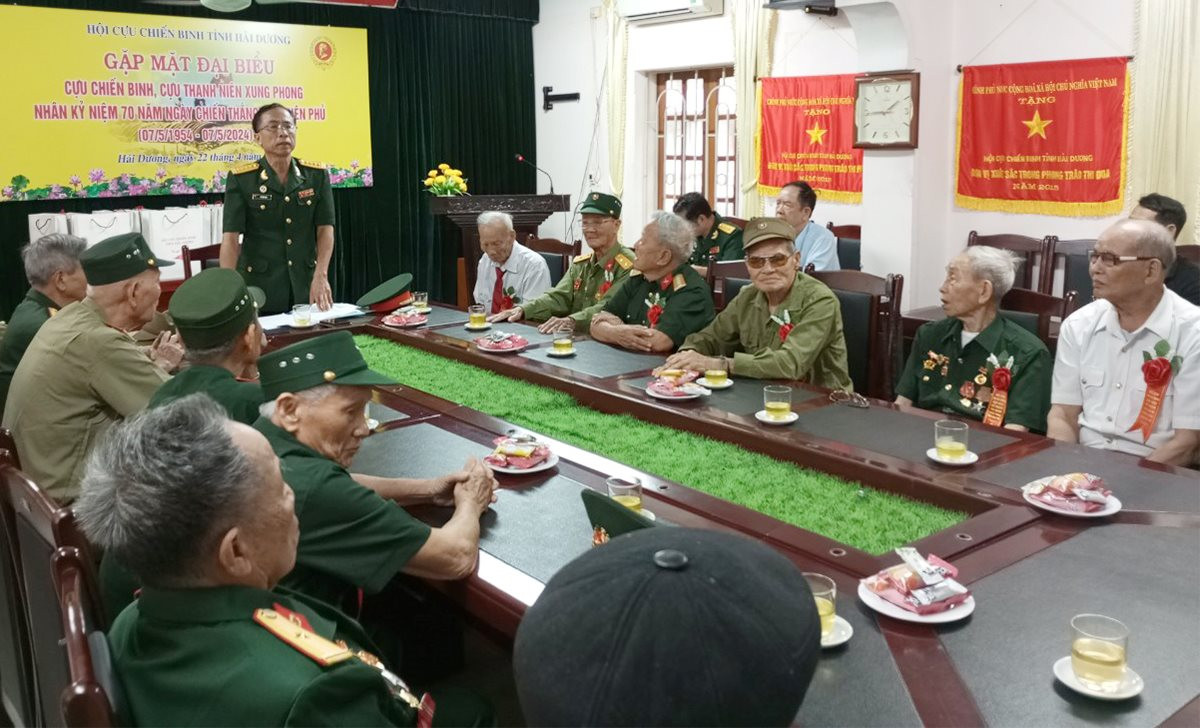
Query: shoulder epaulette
pixel 314 165
pixel 679 282
pixel 244 168
pixel 311 645
pixel 582 258
pixel 52 311
pixel 727 228
pixel 623 261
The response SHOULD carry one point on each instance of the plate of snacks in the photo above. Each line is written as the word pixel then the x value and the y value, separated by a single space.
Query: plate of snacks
pixel 1081 495
pixel 676 384
pixel 405 319
pixel 520 455
pixel 499 342
pixel 919 589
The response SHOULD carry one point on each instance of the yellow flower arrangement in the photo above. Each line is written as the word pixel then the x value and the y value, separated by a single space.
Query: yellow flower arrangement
pixel 445 181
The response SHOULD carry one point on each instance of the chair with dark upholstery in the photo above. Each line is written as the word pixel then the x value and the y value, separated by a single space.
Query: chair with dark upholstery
pixel 556 253
pixel 871 324
pixel 18 691
pixel 1034 311
pixel 849 252
pixel 1189 252
pixel 734 221
pixel 1074 255
pixel 1032 251
pixel 853 232
pixel 727 278
pixel 208 256
pixel 86 699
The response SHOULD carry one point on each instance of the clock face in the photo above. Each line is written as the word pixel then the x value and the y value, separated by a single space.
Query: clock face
pixel 883 113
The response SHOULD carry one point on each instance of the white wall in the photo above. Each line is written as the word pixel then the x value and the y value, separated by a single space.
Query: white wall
pixel 911 225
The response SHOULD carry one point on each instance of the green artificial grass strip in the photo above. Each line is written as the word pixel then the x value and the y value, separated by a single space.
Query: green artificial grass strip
pixel 875 521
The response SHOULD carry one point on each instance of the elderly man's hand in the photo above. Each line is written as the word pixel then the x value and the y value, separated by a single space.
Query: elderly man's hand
pixel 557 324
pixel 692 360
pixel 442 488
pixel 167 351
pixel 478 489
pixel 634 338
pixel 509 314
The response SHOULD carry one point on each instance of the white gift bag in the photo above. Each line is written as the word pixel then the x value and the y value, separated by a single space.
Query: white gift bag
pixel 47 223
pixel 167 231
pixel 99 225
pixel 217 213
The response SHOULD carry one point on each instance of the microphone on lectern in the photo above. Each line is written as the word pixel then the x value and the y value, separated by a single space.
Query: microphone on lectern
pixel 521 158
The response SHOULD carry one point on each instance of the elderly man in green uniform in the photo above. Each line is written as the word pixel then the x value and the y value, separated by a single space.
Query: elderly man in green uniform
pixel 216 314
pixel 785 325
pixel 282 208
pixel 210 639
pixel 55 279
pixel 716 238
pixel 664 299
pixel 976 363
pixel 83 371
pixel 570 305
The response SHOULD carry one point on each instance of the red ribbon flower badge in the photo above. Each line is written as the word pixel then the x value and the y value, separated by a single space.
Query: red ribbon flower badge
pixel 785 325
pixel 508 300
pixel 654 308
pixel 1157 371
pixel 608 279
pixel 1001 381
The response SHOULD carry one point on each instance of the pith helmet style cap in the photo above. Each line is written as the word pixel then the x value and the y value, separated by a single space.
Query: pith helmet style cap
pixel 669 627
pixel 602 204
pixel 389 295
pixel 328 359
pixel 761 229
pixel 119 258
pixel 213 307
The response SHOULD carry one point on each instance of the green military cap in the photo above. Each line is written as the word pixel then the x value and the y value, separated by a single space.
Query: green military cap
pixel 119 258
pixel 389 295
pixel 329 359
pixel 602 204
pixel 609 518
pixel 761 229
pixel 213 307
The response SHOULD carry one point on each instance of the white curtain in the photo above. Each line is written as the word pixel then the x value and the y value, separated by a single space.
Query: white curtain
pixel 753 42
pixel 1164 147
pixel 615 93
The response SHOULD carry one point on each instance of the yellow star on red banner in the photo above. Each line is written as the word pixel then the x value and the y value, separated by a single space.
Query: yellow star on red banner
pixel 1037 125
pixel 816 135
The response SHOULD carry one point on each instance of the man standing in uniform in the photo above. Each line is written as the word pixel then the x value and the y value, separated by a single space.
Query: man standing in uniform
pixel 55 279
pixel 283 209
pixel 716 239
pixel 664 300
pixel 570 305
pixel 83 372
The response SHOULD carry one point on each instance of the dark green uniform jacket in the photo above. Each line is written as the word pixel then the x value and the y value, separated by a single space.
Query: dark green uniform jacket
pixel 29 315
pixel 581 292
pixel 349 536
pixel 684 301
pixel 723 242
pixel 240 399
pixel 943 375
pixel 279 225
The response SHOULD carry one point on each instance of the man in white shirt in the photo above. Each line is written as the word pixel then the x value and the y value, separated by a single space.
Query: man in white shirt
pixel 509 273
pixel 1136 330
pixel 816 244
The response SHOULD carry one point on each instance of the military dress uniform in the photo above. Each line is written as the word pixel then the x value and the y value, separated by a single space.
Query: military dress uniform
pixel 581 292
pixel 81 375
pixel 723 242
pixel 679 304
pixel 241 399
pixel 279 225
pixel 943 375
pixel 29 315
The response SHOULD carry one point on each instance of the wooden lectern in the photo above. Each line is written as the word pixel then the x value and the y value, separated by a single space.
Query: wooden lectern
pixel 528 212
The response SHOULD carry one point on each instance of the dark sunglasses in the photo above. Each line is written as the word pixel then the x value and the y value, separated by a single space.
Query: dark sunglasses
pixel 755 262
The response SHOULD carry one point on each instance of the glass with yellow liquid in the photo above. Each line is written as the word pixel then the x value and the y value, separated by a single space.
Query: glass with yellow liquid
pixel 302 314
pixel 478 317
pixel 950 439
pixel 1098 647
pixel 777 401
pixel 716 377
pixel 421 300
pixel 626 491
pixel 824 591
pixel 564 345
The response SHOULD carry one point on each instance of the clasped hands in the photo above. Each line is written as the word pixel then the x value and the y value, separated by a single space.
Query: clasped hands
pixel 475 485
pixel 552 325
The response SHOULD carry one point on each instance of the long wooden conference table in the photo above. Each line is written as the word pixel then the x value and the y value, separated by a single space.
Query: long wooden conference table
pixel 1030 571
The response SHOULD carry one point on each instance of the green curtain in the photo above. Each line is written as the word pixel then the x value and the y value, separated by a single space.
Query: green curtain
pixel 450 81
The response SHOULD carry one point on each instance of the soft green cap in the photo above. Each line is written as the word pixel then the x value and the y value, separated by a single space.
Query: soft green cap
pixel 328 359
pixel 761 229
pixel 213 307
pixel 602 204
pixel 119 258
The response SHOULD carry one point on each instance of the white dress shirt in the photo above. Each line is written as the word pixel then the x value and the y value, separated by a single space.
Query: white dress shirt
pixel 525 272
pixel 1099 367
pixel 817 245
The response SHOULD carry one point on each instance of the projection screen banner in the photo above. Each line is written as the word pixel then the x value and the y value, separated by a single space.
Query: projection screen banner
pixel 123 105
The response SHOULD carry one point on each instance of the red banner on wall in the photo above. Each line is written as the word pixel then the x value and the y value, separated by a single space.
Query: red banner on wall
pixel 806 129
pixel 1046 138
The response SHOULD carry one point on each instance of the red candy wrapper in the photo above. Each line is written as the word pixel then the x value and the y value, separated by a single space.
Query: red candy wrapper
pixel 903 587
pixel 501 460
pixel 1075 492
pixel 674 386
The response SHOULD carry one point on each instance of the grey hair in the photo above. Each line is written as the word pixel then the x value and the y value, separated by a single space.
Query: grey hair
pixel 162 488
pixel 995 265
pixel 312 394
pixel 675 233
pixel 494 217
pixel 214 355
pixel 1152 239
pixel 49 254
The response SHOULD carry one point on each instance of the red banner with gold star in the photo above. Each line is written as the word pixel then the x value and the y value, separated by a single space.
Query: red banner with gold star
pixel 1045 138
pixel 806 132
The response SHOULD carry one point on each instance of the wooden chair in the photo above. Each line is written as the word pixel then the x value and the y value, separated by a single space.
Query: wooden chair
pixel 1189 252
pixel 726 278
pixel 734 221
pixel 853 232
pixel 1035 311
pixel 201 255
pixel 1032 251
pixel 18 690
pixel 871 323
pixel 556 253
pixel 1074 257
pixel 93 694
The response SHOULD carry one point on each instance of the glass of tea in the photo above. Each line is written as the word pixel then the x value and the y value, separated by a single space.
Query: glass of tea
pixel 563 345
pixel 478 317
pixel 626 491
pixel 1098 651
pixel 950 439
pixel 824 591
pixel 716 377
pixel 421 300
pixel 302 315
pixel 777 401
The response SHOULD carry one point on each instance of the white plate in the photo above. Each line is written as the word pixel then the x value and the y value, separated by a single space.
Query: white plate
pixel 309 325
pixel 560 354
pixel 1132 684
pixel 840 635
pixel 671 398
pixel 969 459
pixel 883 606
pixel 1114 503
pixel 704 381
pixel 469 327
pixel 762 417
pixel 544 465
pixel 405 326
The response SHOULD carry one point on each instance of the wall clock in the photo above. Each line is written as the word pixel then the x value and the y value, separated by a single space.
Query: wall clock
pixel 886 108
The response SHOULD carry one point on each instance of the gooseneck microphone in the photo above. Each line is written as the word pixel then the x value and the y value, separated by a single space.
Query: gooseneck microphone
pixel 521 158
